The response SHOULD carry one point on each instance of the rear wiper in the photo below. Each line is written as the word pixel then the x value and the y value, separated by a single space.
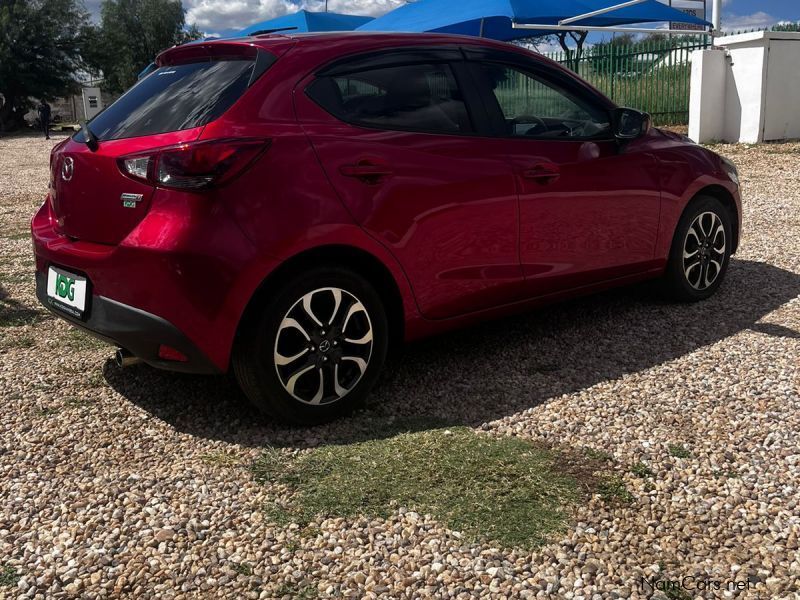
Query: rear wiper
pixel 269 31
pixel 89 137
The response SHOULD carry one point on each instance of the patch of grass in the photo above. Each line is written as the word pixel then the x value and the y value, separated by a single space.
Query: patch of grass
pixel 44 386
pixel 78 402
pixel 597 454
pixel 612 489
pixel 8 576
pixel 678 451
pixel 88 379
pixel 310 532
pixel 297 592
pixel 729 474
pixel 768 149
pixel 270 465
pixel 676 593
pixel 94 379
pixel 13 314
pixel 16 278
pixel 22 342
pixel 641 470
pixel 242 569
pixel 221 459
pixel 25 341
pixel 79 339
pixel 280 514
pixel 505 490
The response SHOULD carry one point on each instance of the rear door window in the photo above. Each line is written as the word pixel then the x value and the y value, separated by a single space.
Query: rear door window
pixel 173 98
pixel 417 97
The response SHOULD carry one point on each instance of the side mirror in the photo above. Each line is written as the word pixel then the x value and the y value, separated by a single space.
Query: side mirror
pixel 629 124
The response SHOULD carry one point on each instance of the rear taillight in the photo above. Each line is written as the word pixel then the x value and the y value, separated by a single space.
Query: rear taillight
pixel 194 165
pixel 138 167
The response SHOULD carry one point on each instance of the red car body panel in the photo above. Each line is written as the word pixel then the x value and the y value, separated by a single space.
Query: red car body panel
pixel 589 224
pixel 448 211
pixel 464 234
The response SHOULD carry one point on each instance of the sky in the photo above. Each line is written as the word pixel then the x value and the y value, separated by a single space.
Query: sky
pixel 225 16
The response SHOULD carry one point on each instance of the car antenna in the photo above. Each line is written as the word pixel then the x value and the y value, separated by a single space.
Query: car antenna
pixel 91 139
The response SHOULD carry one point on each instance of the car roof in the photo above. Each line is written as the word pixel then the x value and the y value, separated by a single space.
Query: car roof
pixel 346 41
pixel 384 37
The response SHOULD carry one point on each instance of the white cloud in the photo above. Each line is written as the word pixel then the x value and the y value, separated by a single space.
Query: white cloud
pixel 756 20
pixel 233 14
pixel 544 46
pixel 226 15
pixel 236 14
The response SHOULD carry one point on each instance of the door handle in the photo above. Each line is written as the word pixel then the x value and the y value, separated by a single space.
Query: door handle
pixel 542 173
pixel 366 170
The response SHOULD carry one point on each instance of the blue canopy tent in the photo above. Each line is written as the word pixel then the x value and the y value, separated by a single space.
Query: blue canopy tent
pixel 514 19
pixel 301 21
pixel 304 20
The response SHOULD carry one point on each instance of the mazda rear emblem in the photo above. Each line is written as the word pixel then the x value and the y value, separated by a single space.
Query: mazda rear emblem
pixel 67 168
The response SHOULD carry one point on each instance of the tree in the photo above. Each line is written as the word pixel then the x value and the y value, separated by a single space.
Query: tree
pixel 40 53
pixel 604 55
pixel 536 43
pixel 787 27
pixel 632 52
pixel 131 34
pixel 579 37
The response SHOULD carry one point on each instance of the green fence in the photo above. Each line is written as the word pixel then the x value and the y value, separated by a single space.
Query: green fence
pixel 651 75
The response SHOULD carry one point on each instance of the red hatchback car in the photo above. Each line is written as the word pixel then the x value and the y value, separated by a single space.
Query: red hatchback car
pixel 288 207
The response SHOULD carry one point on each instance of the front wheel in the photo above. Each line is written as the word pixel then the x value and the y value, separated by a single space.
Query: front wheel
pixel 701 251
pixel 315 350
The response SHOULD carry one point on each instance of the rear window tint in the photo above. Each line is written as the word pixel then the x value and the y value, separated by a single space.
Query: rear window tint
pixel 420 97
pixel 174 98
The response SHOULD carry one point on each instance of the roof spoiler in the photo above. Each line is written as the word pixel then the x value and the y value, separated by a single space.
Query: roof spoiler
pixel 207 51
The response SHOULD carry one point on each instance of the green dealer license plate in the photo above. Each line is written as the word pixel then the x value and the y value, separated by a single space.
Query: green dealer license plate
pixel 66 291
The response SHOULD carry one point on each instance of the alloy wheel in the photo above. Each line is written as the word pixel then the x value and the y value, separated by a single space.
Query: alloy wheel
pixel 704 251
pixel 323 346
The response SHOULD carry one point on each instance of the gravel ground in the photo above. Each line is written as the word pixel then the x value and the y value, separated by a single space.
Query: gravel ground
pixel 137 484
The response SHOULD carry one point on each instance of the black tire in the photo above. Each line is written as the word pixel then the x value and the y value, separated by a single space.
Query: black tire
pixel 701 275
pixel 268 335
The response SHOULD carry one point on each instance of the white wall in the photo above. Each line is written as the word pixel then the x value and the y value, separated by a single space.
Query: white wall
pixel 708 82
pixel 783 91
pixel 747 90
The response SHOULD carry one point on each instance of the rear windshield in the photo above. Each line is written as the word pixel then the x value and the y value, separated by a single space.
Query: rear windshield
pixel 174 98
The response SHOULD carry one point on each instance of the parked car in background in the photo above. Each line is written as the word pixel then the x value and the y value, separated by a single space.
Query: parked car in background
pixel 289 207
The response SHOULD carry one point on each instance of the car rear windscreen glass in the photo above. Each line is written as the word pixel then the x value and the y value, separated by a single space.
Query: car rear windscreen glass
pixel 174 97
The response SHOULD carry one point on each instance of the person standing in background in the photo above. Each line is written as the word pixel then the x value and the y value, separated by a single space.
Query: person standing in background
pixel 44 118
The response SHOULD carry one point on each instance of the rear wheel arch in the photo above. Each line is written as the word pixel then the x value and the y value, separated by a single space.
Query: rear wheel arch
pixel 350 257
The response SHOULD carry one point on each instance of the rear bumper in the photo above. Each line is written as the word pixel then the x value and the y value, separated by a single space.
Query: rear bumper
pixel 186 272
pixel 136 330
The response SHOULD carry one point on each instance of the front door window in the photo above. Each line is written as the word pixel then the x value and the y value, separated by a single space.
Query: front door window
pixel 534 107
